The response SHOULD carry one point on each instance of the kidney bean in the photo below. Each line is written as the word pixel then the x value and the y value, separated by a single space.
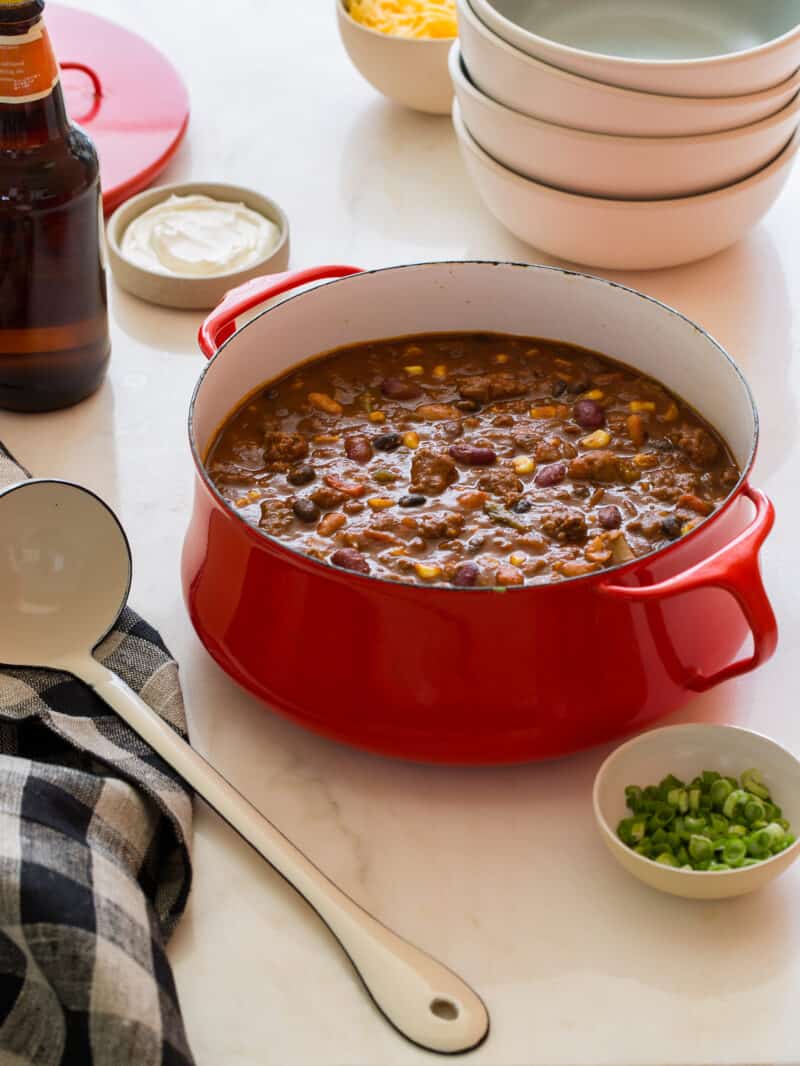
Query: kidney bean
pixel 553 474
pixel 387 442
pixel 412 501
pixel 305 510
pixel 301 475
pixel 522 506
pixel 671 527
pixel 472 455
pixel 350 559
pixel 398 389
pixel 610 517
pixel 589 414
pixel 466 575
pixel 358 448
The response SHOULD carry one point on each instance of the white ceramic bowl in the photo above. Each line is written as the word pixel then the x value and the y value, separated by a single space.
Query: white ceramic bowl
pixel 687 750
pixel 622 234
pixel 680 47
pixel 410 71
pixel 535 88
pixel 187 293
pixel 626 168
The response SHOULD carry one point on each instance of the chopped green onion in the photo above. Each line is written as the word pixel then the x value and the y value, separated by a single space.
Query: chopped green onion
pixel 634 798
pixel 753 782
pixel 734 851
pixel 700 848
pixel 719 792
pixel 695 795
pixel 737 798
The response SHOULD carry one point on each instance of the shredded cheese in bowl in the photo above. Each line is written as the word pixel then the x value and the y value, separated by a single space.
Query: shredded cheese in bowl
pixel 406 18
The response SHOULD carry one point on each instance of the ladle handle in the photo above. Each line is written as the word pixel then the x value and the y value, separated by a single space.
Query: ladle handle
pixel 425 1001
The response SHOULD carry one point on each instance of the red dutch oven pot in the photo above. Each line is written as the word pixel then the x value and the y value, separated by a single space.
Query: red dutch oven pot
pixel 474 675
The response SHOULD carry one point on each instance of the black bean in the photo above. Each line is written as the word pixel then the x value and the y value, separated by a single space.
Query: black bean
pixel 412 501
pixel 466 575
pixel 305 510
pixel 398 389
pixel 579 386
pixel 468 405
pixel 558 388
pixel 551 475
pixel 610 517
pixel 387 442
pixel 350 559
pixel 589 414
pixel 671 527
pixel 301 475
pixel 472 455
pixel 522 506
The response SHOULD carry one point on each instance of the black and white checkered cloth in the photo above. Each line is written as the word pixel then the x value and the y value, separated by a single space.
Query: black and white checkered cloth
pixel 95 864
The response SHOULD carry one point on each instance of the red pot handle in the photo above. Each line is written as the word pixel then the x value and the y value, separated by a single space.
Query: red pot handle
pixel 221 323
pixel 734 568
pixel 94 78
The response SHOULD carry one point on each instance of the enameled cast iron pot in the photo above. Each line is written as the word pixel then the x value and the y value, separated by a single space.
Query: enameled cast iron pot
pixel 474 675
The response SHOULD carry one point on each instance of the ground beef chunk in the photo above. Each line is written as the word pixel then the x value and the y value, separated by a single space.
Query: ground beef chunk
pixel 565 526
pixel 595 466
pixel 553 449
pixel 283 449
pixel 431 472
pixel 500 482
pixel 328 498
pixel 527 439
pixel 438 525
pixel 697 443
pixel 668 485
pixel 276 516
pixel 486 387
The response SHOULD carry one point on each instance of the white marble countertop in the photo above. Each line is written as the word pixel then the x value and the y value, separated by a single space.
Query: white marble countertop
pixel 498 872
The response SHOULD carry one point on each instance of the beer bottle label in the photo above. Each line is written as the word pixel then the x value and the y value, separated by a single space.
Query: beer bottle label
pixel 28 67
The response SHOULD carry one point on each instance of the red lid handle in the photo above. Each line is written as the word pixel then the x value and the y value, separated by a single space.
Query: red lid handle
pixel 735 569
pixel 221 323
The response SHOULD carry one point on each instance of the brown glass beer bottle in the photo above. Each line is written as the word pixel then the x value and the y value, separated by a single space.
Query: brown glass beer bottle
pixel 54 343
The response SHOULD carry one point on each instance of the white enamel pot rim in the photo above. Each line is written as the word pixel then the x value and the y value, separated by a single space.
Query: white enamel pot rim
pixel 298 558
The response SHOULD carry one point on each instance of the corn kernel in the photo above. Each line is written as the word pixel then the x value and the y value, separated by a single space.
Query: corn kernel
pixel 671 413
pixel 501 358
pixel 517 559
pixel 413 350
pixel 440 371
pixel 242 501
pixel 380 503
pixel 427 571
pixel 414 371
pixel 377 416
pixel 530 352
pixel 688 527
pixel 543 412
pixel 601 438
pixel 523 464
pixel 594 394
pixel 641 405
pixel 562 411
pixel 254 494
pixel 323 402
pixel 645 460
pixel 411 439
pixel 397 551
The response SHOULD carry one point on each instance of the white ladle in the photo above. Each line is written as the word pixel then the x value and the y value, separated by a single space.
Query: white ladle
pixel 65 573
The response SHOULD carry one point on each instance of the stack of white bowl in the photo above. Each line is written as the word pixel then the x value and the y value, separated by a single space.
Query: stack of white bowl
pixel 628 134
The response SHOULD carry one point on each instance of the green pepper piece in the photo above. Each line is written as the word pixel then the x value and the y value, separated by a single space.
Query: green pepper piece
pixel 735 799
pixel 700 848
pixel 719 793
pixel 503 517
pixel 734 851
pixel 754 782
pixel 666 859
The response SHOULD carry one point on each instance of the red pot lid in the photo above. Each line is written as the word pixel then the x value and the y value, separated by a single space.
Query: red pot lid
pixel 138 118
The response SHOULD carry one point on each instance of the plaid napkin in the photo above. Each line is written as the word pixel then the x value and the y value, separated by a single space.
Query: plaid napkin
pixel 94 863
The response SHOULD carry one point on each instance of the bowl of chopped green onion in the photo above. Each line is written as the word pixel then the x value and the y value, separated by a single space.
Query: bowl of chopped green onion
pixel 703 811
